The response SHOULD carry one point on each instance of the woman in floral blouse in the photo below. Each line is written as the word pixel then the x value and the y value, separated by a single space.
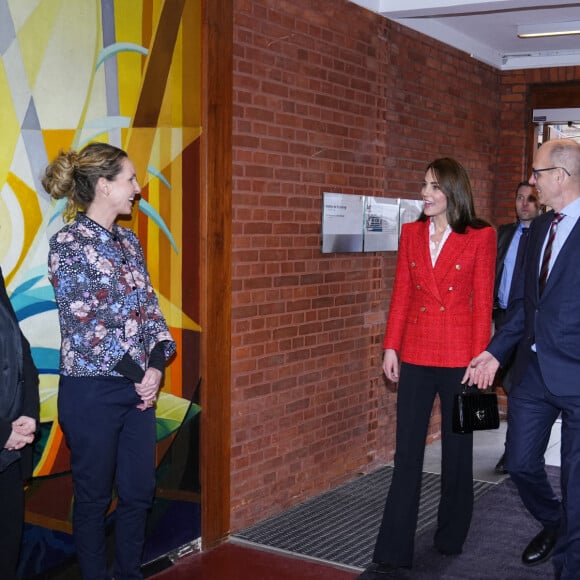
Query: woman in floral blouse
pixel 114 345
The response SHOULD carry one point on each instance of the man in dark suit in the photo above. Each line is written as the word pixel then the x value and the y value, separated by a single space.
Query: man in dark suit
pixel 19 410
pixel 511 241
pixel 543 321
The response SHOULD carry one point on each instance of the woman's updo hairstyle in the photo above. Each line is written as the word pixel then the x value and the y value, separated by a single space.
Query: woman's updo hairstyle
pixel 73 175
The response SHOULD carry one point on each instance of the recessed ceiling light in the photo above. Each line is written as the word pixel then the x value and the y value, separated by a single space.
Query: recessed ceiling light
pixel 548 29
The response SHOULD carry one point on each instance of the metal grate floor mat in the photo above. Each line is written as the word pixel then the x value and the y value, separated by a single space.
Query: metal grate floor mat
pixel 341 525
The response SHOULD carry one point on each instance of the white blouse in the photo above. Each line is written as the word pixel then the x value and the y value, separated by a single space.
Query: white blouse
pixel 434 247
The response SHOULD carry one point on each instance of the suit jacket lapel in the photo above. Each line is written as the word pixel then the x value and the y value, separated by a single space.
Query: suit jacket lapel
pixel 540 226
pixel 425 255
pixel 563 260
pixel 447 260
pixel 505 236
pixel 503 243
pixel 454 246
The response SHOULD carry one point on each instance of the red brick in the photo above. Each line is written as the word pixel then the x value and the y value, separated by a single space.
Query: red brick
pixel 338 98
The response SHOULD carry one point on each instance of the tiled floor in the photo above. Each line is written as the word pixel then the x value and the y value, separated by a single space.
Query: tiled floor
pixel 487 449
pixel 236 560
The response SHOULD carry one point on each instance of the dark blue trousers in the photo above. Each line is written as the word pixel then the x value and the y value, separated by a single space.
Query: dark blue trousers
pixel 417 389
pixel 110 440
pixel 532 412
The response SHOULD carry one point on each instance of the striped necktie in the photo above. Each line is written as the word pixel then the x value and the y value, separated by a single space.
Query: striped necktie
pixel 558 217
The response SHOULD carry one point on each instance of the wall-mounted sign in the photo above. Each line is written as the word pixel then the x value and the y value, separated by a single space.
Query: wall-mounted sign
pixel 409 211
pixel 381 224
pixel 342 217
pixel 359 223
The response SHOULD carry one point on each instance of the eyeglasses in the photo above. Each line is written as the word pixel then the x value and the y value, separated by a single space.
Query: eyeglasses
pixel 536 172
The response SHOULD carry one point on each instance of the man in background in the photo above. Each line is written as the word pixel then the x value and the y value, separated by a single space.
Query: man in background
pixel 511 241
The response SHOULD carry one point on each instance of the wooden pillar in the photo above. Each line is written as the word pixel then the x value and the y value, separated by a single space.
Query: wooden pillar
pixel 216 264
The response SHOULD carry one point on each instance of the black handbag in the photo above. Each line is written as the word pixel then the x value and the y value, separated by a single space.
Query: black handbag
pixel 475 410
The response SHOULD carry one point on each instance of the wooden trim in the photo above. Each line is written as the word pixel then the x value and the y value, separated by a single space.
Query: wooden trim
pixel 554 95
pixel 216 265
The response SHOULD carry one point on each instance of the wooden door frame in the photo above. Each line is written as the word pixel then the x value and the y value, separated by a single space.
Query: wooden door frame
pixel 216 268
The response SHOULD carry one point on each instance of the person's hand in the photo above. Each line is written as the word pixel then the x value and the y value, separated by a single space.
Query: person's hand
pixel 24 425
pixel 481 370
pixel 148 387
pixel 17 441
pixel 391 365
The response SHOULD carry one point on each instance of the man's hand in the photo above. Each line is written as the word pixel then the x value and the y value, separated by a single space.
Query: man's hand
pixel 481 370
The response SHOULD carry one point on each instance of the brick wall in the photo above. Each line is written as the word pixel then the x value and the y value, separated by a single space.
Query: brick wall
pixel 329 97
pixel 513 147
pixel 516 115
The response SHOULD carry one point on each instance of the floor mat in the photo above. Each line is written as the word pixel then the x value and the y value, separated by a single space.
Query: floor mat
pixel 341 525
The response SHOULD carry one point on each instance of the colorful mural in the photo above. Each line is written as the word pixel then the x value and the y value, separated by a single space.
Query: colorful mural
pixel 128 73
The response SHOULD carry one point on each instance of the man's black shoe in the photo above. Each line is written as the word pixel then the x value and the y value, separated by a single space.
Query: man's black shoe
pixel 540 548
pixel 382 571
pixel 500 467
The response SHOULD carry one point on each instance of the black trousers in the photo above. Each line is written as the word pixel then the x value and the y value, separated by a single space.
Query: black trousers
pixel 11 519
pixel 417 389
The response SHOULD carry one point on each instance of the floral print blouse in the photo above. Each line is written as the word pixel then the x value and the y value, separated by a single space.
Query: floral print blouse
pixel 106 305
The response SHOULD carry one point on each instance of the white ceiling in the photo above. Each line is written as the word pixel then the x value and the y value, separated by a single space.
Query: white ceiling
pixel 487 30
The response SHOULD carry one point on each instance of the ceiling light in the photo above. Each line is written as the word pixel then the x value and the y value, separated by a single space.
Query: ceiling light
pixel 550 29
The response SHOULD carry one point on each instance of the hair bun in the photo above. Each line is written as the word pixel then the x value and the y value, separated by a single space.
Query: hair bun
pixel 73 158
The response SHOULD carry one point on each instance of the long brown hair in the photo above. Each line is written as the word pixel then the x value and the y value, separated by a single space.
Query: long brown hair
pixel 454 182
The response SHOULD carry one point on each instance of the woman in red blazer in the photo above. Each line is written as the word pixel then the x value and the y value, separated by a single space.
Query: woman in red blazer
pixel 439 319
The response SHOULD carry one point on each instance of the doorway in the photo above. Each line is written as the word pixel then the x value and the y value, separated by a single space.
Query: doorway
pixel 557 123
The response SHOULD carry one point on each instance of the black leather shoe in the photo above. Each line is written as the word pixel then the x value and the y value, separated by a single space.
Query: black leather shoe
pixel 382 571
pixel 500 467
pixel 540 548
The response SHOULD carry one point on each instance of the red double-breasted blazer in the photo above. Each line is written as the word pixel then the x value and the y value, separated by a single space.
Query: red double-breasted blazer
pixel 441 316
